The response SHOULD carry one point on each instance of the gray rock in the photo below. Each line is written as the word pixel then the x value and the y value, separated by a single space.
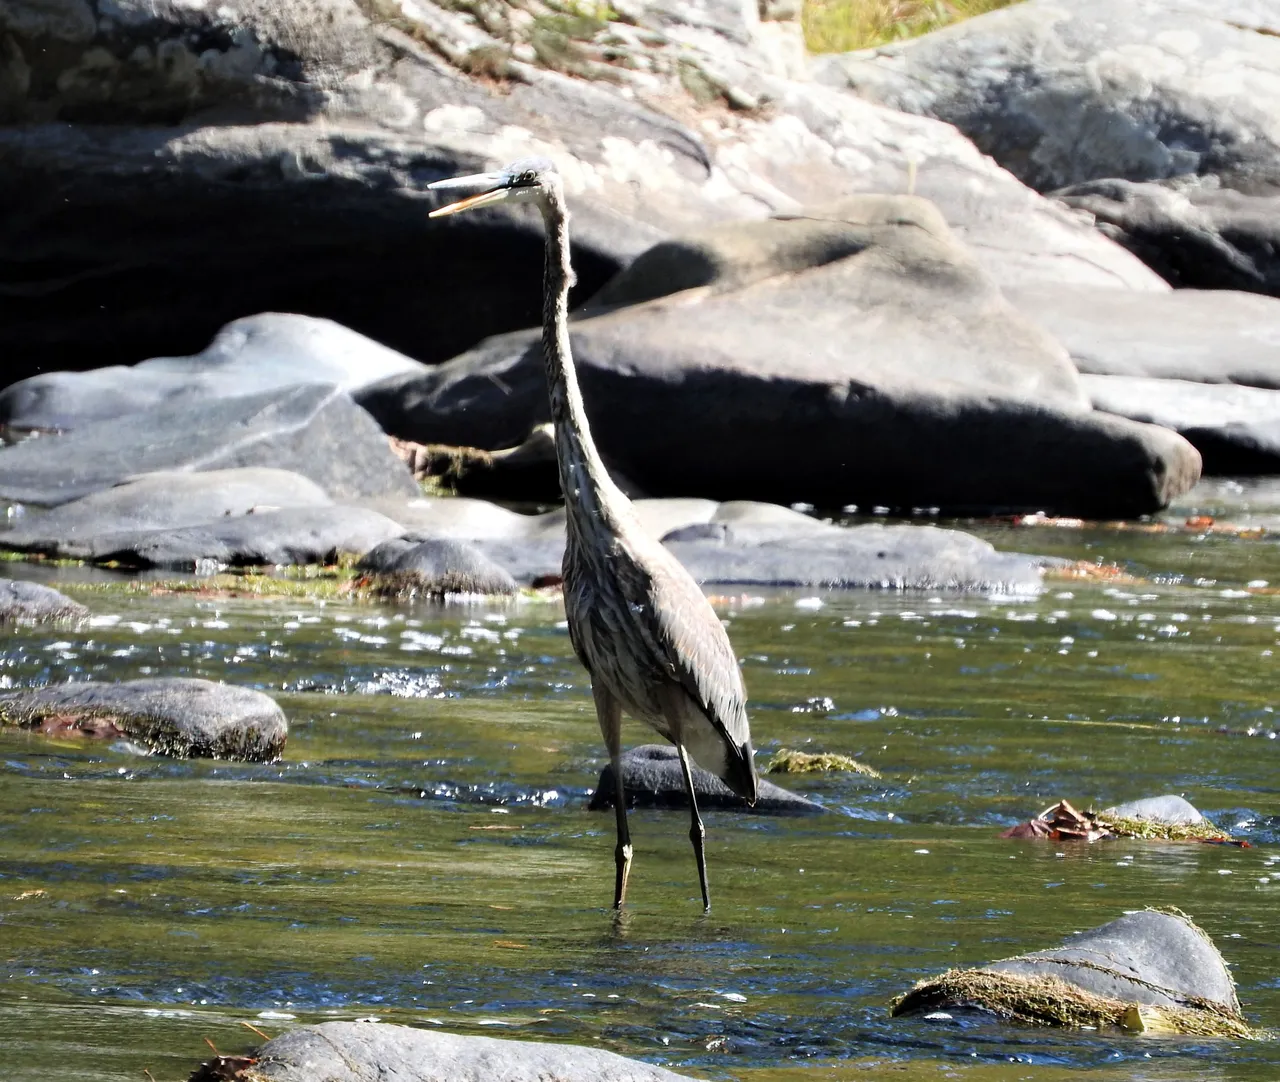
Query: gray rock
pixel 1172 809
pixel 653 779
pixel 1144 957
pixel 137 232
pixel 1214 336
pixel 359 1051
pixel 1197 236
pixel 316 431
pixel 853 353
pixel 295 535
pixel 1235 429
pixel 433 568
pixel 1060 93
pixel 267 352
pixel 31 603
pixel 179 717
pixel 84 528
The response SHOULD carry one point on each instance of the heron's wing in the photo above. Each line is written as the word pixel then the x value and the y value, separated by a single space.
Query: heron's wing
pixel 696 649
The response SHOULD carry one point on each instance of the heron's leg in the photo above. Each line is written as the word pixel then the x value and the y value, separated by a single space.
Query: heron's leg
pixel 609 714
pixel 697 834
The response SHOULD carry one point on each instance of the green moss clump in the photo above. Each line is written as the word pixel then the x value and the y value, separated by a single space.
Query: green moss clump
pixel 786 761
pixel 1166 832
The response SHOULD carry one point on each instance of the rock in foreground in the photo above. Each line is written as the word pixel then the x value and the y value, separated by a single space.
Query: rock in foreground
pixel 407 567
pixel 31 603
pixel 316 431
pixel 185 718
pixel 361 1051
pixel 653 779
pixel 1150 970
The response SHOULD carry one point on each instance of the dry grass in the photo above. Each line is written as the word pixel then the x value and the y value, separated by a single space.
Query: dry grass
pixel 840 26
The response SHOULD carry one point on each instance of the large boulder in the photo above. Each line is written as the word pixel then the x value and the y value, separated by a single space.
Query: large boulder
pixel 1196 236
pixel 853 353
pixel 1065 91
pixel 181 717
pixel 31 603
pixel 359 1051
pixel 259 353
pixel 173 166
pixel 316 431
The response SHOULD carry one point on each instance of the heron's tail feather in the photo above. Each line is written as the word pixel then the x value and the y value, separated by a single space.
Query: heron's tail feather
pixel 740 772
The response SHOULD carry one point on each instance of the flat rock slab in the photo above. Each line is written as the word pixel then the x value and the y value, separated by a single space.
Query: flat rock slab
pixel 362 1051
pixel 31 603
pixel 316 431
pixel 266 352
pixel 434 567
pixel 653 779
pixel 84 528
pixel 1204 336
pixel 184 718
pixel 1235 429
pixel 296 535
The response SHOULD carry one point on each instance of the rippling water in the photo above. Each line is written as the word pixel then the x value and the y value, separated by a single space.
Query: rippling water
pixel 423 852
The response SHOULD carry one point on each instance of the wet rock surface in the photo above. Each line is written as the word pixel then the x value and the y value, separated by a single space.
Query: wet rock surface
pixel 180 717
pixel 31 603
pixel 848 353
pixel 653 779
pixel 1170 808
pixel 267 352
pixel 409 566
pixel 357 1051
pixel 316 431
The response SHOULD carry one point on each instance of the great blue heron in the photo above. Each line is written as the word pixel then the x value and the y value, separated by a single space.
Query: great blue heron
pixel 649 638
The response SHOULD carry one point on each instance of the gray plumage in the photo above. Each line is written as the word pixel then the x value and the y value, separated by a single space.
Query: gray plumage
pixel 652 643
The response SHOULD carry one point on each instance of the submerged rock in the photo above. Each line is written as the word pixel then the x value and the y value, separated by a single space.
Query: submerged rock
pixel 182 717
pixel 1152 969
pixel 316 431
pixel 360 1051
pixel 653 779
pixel 407 567
pixel 30 603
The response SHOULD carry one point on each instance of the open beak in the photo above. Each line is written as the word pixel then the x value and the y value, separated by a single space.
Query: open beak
pixel 496 193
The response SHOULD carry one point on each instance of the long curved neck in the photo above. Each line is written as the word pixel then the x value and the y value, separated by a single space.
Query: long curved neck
pixel 586 484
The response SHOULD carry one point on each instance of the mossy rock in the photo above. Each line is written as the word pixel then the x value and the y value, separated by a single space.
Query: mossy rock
pixel 786 761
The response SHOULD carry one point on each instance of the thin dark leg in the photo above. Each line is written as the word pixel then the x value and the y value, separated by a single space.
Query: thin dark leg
pixel 697 834
pixel 609 714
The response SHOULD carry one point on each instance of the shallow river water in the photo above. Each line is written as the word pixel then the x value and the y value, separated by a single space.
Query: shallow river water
pixel 423 853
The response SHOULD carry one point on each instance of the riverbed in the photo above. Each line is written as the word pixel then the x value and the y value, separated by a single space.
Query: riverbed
pixel 423 852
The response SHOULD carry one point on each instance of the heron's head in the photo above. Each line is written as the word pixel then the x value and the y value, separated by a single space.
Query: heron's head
pixel 527 180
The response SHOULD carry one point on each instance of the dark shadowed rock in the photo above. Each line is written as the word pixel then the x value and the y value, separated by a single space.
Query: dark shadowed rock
pixel 315 431
pixel 1206 336
pixel 84 528
pixel 31 603
pixel 259 353
pixel 1235 429
pixel 1060 93
pixel 1202 237
pixel 360 1051
pixel 296 535
pixel 850 353
pixel 653 779
pixel 410 566
pixel 180 717
pixel 1151 958
pixel 1171 809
